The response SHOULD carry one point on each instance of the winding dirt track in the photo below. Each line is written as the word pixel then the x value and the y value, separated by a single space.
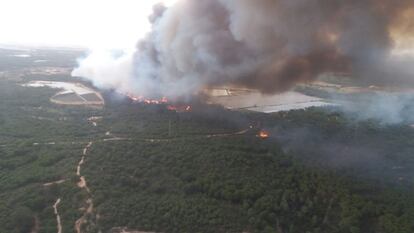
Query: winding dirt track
pixel 83 185
pixel 242 132
pixel 59 223
pixel 55 182
pixel 228 134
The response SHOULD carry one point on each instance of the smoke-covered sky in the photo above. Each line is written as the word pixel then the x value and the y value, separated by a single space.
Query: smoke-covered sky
pixel 269 45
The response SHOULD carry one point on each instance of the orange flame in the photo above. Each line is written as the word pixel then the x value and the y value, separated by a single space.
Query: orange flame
pixel 141 99
pixel 263 134
pixel 163 100
pixel 183 108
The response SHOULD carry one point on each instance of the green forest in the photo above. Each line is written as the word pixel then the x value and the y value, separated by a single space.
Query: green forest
pixel 155 170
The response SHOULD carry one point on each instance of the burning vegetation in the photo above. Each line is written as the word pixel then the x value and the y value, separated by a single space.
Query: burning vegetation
pixel 162 101
pixel 263 134
pixel 179 108
pixel 266 45
pixel 142 99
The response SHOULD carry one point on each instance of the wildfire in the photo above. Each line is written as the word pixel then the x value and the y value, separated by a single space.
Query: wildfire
pixel 142 99
pixel 177 108
pixel 163 100
pixel 263 134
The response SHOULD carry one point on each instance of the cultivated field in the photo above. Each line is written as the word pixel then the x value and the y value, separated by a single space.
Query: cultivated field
pixel 71 94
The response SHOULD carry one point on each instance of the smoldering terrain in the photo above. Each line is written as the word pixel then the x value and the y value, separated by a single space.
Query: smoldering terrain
pixel 270 46
pixel 330 140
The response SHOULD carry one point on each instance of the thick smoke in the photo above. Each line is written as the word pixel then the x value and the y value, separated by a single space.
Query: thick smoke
pixel 384 108
pixel 269 45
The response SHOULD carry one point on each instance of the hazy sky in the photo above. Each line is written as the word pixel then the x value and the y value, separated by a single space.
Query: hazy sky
pixel 91 23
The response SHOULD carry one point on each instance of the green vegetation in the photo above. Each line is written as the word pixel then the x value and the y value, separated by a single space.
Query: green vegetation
pixel 39 143
pixel 362 149
pixel 151 169
pixel 232 184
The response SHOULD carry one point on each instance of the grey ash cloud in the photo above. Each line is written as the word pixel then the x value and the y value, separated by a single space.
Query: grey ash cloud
pixel 268 45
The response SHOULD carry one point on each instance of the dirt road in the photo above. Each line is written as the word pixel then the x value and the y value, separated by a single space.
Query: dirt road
pixel 55 182
pixel 82 184
pixel 55 208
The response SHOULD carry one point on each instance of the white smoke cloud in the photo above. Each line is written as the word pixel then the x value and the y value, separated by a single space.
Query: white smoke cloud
pixel 384 108
pixel 269 45
pixel 113 71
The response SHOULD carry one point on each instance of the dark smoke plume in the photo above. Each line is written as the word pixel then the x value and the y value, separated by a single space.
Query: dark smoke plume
pixel 269 45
